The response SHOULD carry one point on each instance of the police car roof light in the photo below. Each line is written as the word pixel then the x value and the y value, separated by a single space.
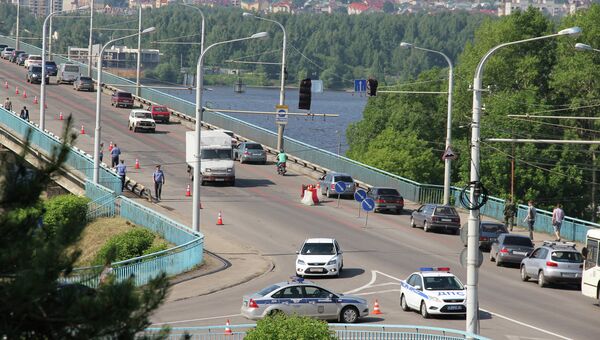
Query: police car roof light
pixel 297 279
pixel 434 269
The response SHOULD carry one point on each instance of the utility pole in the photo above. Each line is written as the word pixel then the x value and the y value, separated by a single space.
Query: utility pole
pixel 50 33
pixel 594 206
pixel 90 41
pixel 17 33
pixel 139 51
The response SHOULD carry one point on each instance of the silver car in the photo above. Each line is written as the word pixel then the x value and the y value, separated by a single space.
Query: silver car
pixel 510 248
pixel 328 181
pixel 250 152
pixel 553 262
pixel 304 298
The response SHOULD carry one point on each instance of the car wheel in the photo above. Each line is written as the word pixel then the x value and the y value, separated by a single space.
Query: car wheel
pixel 412 222
pixel 498 263
pixel 129 127
pixel 426 227
pixel 349 314
pixel 153 130
pixel 492 257
pixel 263 162
pixel 403 304
pixel 457 232
pixel 424 312
pixel 542 279
pixel 398 211
pixel 275 312
pixel 524 276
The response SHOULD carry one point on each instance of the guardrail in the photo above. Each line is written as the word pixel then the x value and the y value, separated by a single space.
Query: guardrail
pixel 341 331
pixel 323 161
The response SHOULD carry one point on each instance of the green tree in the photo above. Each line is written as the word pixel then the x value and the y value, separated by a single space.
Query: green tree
pixel 388 7
pixel 35 256
pixel 283 327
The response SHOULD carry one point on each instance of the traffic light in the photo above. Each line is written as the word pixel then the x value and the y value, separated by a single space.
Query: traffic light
pixel 305 93
pixel 372 87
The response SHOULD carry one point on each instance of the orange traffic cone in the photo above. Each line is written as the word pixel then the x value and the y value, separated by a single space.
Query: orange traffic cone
pixel 187 191
pixel 227 329
pixel 376 310
pixel 35 101
pixel 220 219
pixel 60 117
pixel 137 163
pixel 82 130
pixel 17 90
pixel 25 94
pixel 5 84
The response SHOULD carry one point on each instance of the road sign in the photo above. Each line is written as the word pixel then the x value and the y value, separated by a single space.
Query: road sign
pixel 282 114
pixel 340 187
pixel 449 154
pixel 360 85
pixel 463 258
pixel 316 86
pixel 360 195
pixel 368 204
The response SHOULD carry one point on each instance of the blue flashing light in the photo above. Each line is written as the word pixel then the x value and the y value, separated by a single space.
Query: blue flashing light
pixel 426 269
pixel 434 269
pixel 297 279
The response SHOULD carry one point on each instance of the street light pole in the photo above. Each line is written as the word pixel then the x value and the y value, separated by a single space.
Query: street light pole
pixel 50 33
pixel 139 51
pixel 280 127
pixel 202 28
pixel 98 129
pixel 472 318
pixel 199 84
pixel 447 161
pixel 90 41
pixel 18 19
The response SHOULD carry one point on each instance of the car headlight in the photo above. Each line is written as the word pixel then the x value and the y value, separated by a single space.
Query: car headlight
pixel 332 262
pixel 207 170
pixel 229 169
pixel 434 299
pixel 300 262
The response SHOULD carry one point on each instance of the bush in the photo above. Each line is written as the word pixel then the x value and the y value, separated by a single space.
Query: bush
pixel 64 210
pixel 125 246
pixel 283 327
pixel 156 247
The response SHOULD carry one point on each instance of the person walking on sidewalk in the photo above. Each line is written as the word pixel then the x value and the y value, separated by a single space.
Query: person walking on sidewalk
pixel 558 215
pixel 114 153
pixel 101 152
pixel 159 179
pixel 509 213
pixel 8 104
pixel 122 171
pixel 24 113
pixel 530 218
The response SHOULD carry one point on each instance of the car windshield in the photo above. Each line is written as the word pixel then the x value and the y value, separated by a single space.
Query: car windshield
pixel 517 241
pixel 143 115
pixel 388 192
pixel 445 211
pixel 493 228
pixel 318 249
pixel 124 95
pixel 35 57
pixel 254 146
pixel 36 69
pixel 267 290
pixel 50 63
pixel 347 179
pixel 85 79
pixel 160 109
pixel 442 283
pixel 71 68
pixel 566 256
pixel 216 154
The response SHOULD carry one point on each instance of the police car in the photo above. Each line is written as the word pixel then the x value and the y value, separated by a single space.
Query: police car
pixel 303 298
pixel 433 291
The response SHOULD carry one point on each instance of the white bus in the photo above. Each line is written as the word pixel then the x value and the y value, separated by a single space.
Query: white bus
pixel 591 266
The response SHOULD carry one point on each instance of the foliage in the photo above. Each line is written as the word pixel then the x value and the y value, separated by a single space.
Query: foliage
pixel 65 210
pixel 156 247
pixel 126 246
pixel 283 327
pixel 35 255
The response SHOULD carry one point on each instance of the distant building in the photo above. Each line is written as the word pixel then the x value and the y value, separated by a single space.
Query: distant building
pixel 117 56
pixel 281 7
pixel 255 5
pixel 549 7
pixel 357 8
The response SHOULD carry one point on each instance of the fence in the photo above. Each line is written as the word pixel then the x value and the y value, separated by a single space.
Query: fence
pixel 341 331
pixel 572 229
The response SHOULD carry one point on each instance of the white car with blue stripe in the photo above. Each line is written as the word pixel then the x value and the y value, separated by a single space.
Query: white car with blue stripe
pixel 433 291
pixel 303 298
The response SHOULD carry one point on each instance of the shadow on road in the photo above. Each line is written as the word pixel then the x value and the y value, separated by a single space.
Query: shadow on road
pixel 351 272
pixel 252 182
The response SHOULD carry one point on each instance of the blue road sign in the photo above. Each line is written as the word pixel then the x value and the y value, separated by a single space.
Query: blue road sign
pixel 368 204
pixel 340 187
pixel 360 195
pixel 360 85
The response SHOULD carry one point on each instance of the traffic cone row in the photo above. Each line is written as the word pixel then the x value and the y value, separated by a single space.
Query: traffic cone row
pixel 220 219
pixel 376 310
pixel 227 329
pixel 25 94
pixel 137 163
pixel 188 193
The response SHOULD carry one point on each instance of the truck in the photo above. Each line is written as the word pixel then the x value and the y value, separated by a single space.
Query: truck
pixel 216 161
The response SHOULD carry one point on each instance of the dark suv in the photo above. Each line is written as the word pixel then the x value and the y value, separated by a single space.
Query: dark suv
pixel 124 99
pixel 51 68
pixel 34 75
pixel 436 216
pixel 386 199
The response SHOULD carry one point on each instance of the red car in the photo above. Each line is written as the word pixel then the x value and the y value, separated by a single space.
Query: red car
pixel 160 113
pixel 123 99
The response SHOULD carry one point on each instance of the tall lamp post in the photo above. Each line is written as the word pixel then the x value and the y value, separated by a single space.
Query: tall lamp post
pixel 18 19
pixel 199 85
pixel 447 165
pixel 280 127
pixel 472 319
pixel 90 41
pixel 97 131
pixel 43 86
pixel 139 51
pixel 201 28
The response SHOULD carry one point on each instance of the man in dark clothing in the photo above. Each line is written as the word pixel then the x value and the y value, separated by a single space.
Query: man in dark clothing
pixel 24 113
pixel 159 179
pixel 509 213
pixel 122 171
pixel 114 153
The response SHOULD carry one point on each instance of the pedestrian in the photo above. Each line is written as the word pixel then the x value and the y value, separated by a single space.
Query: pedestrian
pixel 24 113
pixel 159 179
pixel 509 213
pixel 101 152
pixel 530 218
pixel 114 153
pixel 8 104
pixel 558 215
pixel 122 171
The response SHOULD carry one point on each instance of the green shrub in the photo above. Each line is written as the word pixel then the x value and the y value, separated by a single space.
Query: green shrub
pixel 65 211
pixel 283 327
pixel 156 247
pixel 126 246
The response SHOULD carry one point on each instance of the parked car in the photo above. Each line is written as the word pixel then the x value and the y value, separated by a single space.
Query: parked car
pixel 319 256
pixel 386 199
pixel 21 59
pixel 141 120
pixel 33 59
pixel 83 83
pixel 510 248
pixel 68 73
pixel 34 75
pixel 328 182
pixel 124 99
pixel 13 55
pixel 160 113
pixel 303 298
pixel 436 216
pixel 250 152
pixel 2 47
pixel 488 233
pixel 51 68
pixel 553 262
pixel 6 52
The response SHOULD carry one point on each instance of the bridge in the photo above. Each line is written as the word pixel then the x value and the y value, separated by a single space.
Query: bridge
pixel 265 224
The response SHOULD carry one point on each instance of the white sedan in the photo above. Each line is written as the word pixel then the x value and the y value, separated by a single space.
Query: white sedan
pixel 141 120
pixel 433 291
pixel 319 256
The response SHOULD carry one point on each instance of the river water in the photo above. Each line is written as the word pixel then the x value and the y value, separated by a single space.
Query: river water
pixel 325 133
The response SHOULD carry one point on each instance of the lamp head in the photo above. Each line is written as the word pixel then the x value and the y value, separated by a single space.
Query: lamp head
pixel 406 45
pixel 149 30
pixel 572 31
pixel 259 35
pixel 583 47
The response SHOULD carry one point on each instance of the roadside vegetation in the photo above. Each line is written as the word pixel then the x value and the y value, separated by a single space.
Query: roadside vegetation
pixel 285 327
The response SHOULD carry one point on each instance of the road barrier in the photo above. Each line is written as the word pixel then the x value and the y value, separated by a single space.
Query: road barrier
pixel 324 161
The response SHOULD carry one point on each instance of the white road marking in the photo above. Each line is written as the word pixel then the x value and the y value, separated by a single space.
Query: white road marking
pixel 373 278
pixel 526 325
pixel 379 292
pixel 192 320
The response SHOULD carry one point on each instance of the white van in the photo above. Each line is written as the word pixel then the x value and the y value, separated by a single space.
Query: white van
pixel 67 73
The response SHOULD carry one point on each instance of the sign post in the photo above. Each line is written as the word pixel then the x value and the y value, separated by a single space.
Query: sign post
pixel 281 117
pixel 368 205
pixel 449 154
pixel 359 196
pixel 339 188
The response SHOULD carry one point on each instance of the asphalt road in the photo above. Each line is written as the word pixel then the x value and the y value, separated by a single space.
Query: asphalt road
pixel 263 212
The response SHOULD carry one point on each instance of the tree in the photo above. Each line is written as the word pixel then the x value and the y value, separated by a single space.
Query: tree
pixel 283 327
pixel 389 7
pixel 34 303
